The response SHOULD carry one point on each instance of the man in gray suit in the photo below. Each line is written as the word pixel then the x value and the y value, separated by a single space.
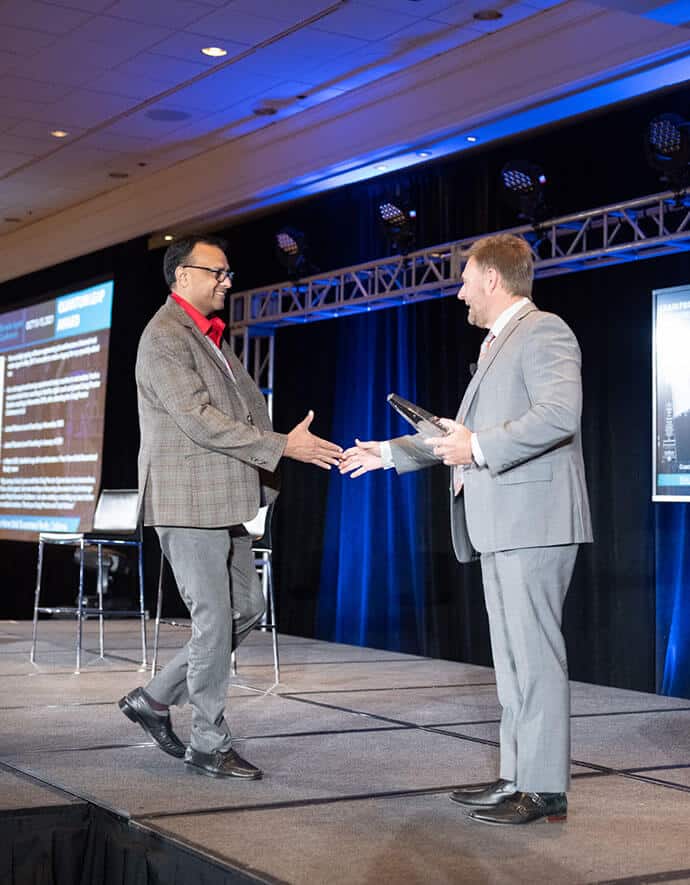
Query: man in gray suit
pixel 519 500
pixel 207 461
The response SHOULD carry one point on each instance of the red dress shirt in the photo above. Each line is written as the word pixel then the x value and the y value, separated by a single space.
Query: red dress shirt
pixel 212 327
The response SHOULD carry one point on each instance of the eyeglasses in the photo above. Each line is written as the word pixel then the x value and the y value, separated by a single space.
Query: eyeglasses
pixel 220 273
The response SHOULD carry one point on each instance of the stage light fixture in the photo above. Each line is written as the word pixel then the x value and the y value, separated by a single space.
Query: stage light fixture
pixel 399 226
pixel 291 251
pixel 522 186
pixel 667 147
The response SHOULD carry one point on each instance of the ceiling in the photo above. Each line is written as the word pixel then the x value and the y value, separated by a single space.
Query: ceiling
pixel 310 95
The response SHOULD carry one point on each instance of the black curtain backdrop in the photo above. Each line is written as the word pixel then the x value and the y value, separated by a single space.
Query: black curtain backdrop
pixel 610 613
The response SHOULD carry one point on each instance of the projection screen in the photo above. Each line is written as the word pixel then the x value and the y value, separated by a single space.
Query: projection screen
pixel 53 368
pixel 671 394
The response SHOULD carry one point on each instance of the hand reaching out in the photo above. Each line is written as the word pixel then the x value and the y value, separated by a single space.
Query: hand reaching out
pixel 303 445
pixel 361 458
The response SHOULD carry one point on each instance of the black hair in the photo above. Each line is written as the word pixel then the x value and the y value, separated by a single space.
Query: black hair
pixel 178 253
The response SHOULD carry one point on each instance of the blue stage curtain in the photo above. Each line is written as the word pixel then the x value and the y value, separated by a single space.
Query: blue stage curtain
pixel 372 576
pixel 672 527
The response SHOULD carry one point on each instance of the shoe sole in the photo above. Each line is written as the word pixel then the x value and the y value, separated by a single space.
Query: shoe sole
pixel 210 772
pixel 547 819
pixel 133 716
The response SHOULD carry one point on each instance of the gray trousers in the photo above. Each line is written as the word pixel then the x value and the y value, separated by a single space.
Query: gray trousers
pixel 524 592
pixel 215 574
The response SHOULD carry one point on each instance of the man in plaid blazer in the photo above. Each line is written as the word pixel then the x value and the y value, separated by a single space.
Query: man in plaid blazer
pixel 207 461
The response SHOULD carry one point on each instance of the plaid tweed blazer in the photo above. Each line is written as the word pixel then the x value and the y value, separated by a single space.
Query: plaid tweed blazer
pixel 208 454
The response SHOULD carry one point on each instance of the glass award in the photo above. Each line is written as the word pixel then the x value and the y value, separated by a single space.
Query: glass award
pixel 423 422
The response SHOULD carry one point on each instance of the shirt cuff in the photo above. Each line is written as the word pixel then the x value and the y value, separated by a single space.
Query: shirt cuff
pixel 477 453
pixel 386 455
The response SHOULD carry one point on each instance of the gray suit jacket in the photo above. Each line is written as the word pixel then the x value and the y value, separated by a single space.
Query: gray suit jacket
pixel 524 403
pixel 208 453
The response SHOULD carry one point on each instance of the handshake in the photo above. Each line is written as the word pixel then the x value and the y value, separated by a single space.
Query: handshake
pixel 453 448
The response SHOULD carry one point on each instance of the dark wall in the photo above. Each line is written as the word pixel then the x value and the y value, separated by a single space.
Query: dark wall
pixel 610 611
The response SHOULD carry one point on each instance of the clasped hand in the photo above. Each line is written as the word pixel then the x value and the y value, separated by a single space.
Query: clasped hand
pixel 453 448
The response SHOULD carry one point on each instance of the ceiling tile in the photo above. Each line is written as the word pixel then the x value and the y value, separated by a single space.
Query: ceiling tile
pixel 36 16
pixel 176 14
pixel 230 23
pixel 301 52
pixel 83 108
pixel 108 31
pixel 292 11
pixel 32 147
pixel 9 160
pixel 17 41
pixel 86 5
pixel 23 89
pixel 357 20
pixel 162 68
pixel 409 7
pixel 221 90
pixel 117 82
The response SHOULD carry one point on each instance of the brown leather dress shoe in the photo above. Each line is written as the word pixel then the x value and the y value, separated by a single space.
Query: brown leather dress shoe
pixel 226 763
pixel 486 796
pixel 525 808
pixel 136 706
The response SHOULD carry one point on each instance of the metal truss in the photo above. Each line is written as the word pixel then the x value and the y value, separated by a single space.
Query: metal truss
pixel 257 354
pixel 643 228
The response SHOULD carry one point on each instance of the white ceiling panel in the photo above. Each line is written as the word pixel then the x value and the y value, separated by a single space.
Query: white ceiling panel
pixel 222 90
pixel 425 8
pixel 229 23
pixel 32 14
pixel 117 82
pixel 171 13
pixel 23 89
pixel 357 20
pixel 19 41
pixel 163 69
pixel 94 6
pixel 291 11
pixel 301 51
pixel 30 147
pixel 38 130
pixel 108 31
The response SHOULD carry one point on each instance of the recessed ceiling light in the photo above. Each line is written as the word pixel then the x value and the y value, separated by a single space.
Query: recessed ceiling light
pixel 11 219
pixel 381 167
pixel 265 110
pixel 118 174
pixel 487 15
pixel 168 238
pixel 472 139
pixel 214 51
pixel 59 133
pixel 423 153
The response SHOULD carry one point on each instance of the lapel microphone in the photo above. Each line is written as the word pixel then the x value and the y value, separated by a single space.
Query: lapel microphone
pixel 473 368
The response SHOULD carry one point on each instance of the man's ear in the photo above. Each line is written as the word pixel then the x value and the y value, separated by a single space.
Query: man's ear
pixel 180 276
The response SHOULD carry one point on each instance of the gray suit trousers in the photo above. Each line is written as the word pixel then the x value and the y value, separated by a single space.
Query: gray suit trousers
pixel 223 605
pixel 525 590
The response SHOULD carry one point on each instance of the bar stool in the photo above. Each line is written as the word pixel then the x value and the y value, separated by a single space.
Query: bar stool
pixel 115 524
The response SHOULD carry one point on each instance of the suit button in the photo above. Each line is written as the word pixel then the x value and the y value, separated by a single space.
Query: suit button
pixel 250 420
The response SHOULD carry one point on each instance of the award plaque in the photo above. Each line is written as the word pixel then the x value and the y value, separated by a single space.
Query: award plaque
pixel 423 422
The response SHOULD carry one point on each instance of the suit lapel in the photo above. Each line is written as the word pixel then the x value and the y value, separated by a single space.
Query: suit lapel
pixel 488 358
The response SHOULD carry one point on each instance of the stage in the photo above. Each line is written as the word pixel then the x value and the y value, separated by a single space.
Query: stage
pixel 360 749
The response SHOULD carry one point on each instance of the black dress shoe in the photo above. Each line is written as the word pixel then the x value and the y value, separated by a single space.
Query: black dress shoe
pixel 486 796
pixel 525 808
pixel 136 706
pixel 226 763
